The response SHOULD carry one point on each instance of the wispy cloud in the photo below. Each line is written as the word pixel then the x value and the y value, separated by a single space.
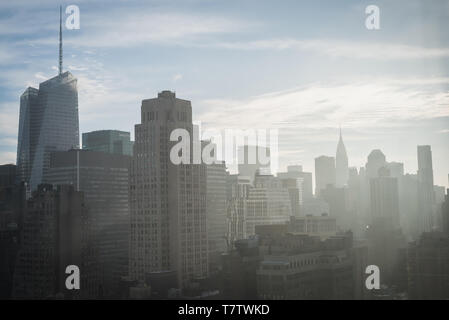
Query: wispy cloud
pixel 342 49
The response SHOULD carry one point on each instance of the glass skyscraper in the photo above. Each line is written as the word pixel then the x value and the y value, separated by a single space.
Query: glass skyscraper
pixel 48 122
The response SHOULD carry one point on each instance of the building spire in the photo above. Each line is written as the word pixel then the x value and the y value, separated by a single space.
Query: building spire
pixel 60 40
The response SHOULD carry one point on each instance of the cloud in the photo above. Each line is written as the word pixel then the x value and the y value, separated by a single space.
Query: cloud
pixel 7 157
pixel 177 77
pixel 343 49
pixel 358 105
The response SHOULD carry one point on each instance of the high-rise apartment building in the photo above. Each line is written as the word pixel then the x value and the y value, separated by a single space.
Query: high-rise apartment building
pixel 167 200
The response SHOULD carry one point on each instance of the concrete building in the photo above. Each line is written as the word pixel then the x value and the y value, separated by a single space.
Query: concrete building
pixel 103 178
pixel 302 267
pixel 167 200
pixel 109 141
pixel 322 226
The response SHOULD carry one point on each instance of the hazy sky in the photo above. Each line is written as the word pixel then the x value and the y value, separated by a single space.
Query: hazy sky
pixel 304 67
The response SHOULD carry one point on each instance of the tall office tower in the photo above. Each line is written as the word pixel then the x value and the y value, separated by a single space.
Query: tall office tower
pixel 341 163
pixel 253 159
pixel 268 203
pixel 376 160
pixel 426 194
pixel 324 173
pixel 110 141
pixel 237 190
pixel 167 201
pixel 52 238
pixel 216 212
pixel 48 122
pixel 103 177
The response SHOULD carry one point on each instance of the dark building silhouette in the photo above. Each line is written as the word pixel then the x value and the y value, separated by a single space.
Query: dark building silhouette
pixel 12 198
pixel 428 271
pixel 52 237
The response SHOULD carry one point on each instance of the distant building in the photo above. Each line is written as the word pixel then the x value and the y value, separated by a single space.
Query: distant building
pixel 324 173
pixel 323 226
pixel 376 160
pixel 253 159
pixel 295 172
pixel 109 141
pixel 341 164
pixel 217 227
pixel 268 203
pixel 426 194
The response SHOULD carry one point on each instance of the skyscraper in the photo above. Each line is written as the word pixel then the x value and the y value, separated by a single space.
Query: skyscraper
pixel 324 173
pixel 110 141
pixel 103 177
pixel 167 201
pixel 426 194
pixel 48 122
pixel 341 162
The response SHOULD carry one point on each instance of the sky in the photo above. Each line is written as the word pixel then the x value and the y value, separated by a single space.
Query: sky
pixel 302 67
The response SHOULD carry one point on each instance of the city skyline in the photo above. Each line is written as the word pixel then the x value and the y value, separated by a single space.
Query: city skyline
pixel 402 109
